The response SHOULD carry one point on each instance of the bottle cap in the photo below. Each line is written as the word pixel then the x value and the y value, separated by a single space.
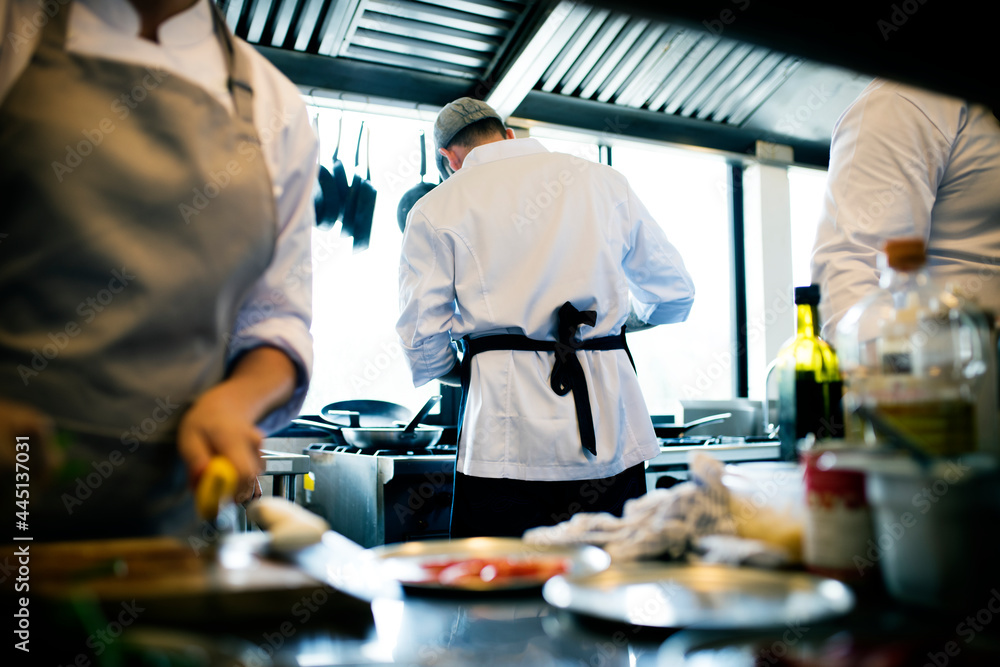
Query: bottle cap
pixel 906 254
pixel 809 295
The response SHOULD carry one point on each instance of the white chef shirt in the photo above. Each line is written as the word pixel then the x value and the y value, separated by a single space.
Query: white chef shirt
pixel 278 310
pixel 498 248
pixel 909 162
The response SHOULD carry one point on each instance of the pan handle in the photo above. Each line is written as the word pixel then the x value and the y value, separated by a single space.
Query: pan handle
pixel 353 415
pixel 319 425
pixel 710 419
pixel 423 156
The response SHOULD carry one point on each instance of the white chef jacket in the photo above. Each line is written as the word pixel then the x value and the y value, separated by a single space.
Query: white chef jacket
pixel 909 162
pixel 278 311
pixel 498 248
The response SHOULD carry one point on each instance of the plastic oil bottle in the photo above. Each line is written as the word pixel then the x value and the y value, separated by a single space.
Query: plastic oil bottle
pixel 915 356
pixel 810 389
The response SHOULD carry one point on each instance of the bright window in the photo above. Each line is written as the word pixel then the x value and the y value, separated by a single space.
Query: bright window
pixel 805 193
pixel 355 295
pixel 687 193
pixel 356 301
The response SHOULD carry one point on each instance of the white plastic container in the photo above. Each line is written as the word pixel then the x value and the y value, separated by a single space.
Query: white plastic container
pixel 936 538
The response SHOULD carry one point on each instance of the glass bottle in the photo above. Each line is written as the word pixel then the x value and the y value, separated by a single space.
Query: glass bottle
pixel 810 389
pixel 913 355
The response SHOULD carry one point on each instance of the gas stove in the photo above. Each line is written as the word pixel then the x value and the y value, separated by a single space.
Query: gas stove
pixel 376 497
pixel 670 466
pixel 433 450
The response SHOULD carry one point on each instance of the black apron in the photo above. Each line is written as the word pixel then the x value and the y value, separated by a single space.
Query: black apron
pixel 567 373
pixel 507 507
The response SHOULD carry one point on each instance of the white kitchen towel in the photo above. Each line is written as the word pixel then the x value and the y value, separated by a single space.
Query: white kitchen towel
pixel 664 522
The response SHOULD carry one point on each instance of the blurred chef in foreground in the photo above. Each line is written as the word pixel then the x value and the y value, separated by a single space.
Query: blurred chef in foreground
pixel 155 277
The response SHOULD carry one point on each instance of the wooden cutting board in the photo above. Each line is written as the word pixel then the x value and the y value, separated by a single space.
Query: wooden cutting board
pixel 172 583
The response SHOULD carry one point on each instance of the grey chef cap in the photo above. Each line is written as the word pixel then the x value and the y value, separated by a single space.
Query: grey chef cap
pixel 453 119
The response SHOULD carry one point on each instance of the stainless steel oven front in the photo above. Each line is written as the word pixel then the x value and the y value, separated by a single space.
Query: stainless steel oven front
pixel 376 498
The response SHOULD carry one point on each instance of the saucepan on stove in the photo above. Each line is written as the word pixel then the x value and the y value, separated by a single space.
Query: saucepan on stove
pixel 391 434
pixel 671 430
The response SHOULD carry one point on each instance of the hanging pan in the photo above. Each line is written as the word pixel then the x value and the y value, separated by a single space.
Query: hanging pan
pixel 360 207
pixel 331 194
pixel 411 196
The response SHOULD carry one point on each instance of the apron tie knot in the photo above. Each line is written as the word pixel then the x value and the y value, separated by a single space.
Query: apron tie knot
pixel 567 372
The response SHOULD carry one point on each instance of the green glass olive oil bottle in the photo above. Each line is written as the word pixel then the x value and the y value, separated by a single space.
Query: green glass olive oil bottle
pixel 810 389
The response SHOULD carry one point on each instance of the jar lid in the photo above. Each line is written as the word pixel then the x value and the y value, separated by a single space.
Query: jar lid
pixel 905 254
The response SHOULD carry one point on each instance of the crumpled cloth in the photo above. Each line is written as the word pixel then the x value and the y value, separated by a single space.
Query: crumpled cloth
pixel 664 522
pixel 691 520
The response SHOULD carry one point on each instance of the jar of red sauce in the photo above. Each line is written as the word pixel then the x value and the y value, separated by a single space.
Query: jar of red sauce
pixel 838 527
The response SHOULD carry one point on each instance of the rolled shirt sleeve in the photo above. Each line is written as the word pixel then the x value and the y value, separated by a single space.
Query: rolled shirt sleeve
pixel 426 300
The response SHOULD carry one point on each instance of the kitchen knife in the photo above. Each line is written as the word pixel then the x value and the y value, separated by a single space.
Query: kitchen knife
pixel 216 486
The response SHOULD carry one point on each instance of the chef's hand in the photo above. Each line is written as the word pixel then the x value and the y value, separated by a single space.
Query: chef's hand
pixel 218 424
pixel 633 323
pixel 20 420
pixel 222 421
pixel 453 378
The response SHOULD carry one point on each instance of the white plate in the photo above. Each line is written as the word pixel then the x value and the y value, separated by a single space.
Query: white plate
pixel 664 595
pixel 412 563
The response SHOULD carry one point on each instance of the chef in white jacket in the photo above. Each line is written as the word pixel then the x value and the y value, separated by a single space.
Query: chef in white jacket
pixel 908 162
pixel 531 262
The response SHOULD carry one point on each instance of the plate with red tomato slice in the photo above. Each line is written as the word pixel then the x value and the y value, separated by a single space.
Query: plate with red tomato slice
pixel 484 564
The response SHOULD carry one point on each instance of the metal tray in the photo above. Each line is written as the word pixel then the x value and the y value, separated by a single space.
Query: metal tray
pixel 663 595
pixel 751 648
pixel 403 562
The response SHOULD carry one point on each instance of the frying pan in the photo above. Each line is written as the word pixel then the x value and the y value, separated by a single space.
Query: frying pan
pixel 677 430
pixel 364 412
pixel 411 196
pixel 393 437
pixel 360 206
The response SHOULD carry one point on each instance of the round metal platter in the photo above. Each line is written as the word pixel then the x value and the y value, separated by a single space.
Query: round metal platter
pixel 662 595
pixel 747 648
pixel 410 562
